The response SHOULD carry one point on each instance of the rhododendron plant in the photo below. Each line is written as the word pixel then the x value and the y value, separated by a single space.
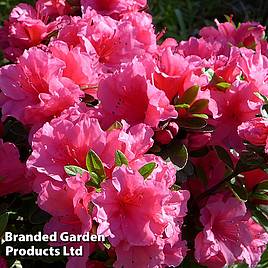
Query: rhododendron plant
pixel 157 146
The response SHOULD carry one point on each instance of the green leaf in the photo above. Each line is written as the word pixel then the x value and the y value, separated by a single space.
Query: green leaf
pixel 74 170
pixel 182 106
pixel 209 73
pixel 260 217
pixel 175 188
pixel 16 264
pixel 249 161
pixel 3 222
pixel 192 123
pixel 199 106
pixel 239 191
pixel 223 86
pixel 262 187
pixel 205 129
pixel 224 156
pixel 200 152
pixel 95 168
pixel 107 244
pixel 204 116
pixel 260 196
pixel 238 265
pixel 264 110
pixel 189 95
pixel 261 97
pixel 115 125
pixel 120 159
pixel 147 170
pixel 179 156
pixel 94 180
pixel 201 174
pixel 264 260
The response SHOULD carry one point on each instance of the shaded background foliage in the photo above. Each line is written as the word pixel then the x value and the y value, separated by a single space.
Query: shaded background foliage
pixel 181 19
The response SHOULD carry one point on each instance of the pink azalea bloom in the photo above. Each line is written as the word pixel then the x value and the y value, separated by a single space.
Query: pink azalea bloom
pixel 259 238
pixel 114 8
pixel 236 105
pixel 67 203
pixel 254 66
pixel 24 30
pixel 228 233
pixel 248 34
pixel 81 67
pixel 67 140
pixel 171 72
pixel 158 226
pixel 255 131
pixel 176 73
pixel 34 91
pixel 164 172
pixel 13 178
pixel 128 194
pixel 137 256
pixel 159 254
pixel 50 9
pixel 115 42
pixel 133 36
pixel 199 47
pixel 69 33
pixel 129 95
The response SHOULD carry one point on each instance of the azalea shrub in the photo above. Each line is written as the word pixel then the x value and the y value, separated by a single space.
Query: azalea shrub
pixel 110 128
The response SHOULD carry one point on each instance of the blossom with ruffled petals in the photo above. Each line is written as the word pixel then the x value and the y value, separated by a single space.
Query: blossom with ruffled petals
pixel 228 234
pixel 34 91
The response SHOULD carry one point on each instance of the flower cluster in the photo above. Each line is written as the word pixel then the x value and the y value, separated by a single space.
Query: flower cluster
pixel 159 146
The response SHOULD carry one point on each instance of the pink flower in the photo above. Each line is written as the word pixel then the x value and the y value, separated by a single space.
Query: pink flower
pixel 52 8
pixel 34 91
pixel 114 8
pixel 200 48
pixel 128 194
pixel 115 42
pixel 24 30
pixel 129 95
pixel 248 34
pixel 68 139
pixel 137 256
pixel 81 67
pixel 67 203
pixel 13 178
pixel 236 105
pixel 157 227
pixel 255 131
pixel 171 72
pixel 252 253
pixel 228 233
pixel 164 172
